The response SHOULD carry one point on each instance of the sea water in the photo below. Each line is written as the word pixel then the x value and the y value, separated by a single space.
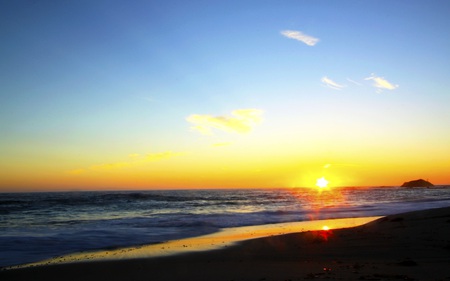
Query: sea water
pixel 36 226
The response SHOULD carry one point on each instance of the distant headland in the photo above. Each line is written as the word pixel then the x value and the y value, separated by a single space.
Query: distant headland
pixel 417 183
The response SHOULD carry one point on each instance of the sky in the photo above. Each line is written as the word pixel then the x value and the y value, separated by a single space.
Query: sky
pixel 223 94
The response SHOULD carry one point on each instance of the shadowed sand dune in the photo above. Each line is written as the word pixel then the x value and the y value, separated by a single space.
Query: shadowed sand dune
pixel 410 246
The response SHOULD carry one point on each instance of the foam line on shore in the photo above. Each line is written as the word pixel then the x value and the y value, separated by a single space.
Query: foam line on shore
pixel 224 238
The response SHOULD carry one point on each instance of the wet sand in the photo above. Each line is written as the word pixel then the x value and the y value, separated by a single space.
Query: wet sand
pixel 410 246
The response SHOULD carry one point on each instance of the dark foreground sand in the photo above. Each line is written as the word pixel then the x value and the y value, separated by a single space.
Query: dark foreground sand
pixel 410 246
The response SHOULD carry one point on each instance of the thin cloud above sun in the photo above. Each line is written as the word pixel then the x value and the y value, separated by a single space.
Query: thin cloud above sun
pixel 240 121
pixel 110 166
pixel 135 160
pixel 300 36
pixel 331 84
pixel 221 144
pixel 354 82
pixel 381 83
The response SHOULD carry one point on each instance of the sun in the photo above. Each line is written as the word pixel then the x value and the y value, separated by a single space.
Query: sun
pixel 322 182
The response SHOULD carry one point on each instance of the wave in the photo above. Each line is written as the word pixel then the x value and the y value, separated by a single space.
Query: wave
pixel 41 225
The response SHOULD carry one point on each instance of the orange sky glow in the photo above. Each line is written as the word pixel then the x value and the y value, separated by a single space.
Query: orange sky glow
pixel 230 95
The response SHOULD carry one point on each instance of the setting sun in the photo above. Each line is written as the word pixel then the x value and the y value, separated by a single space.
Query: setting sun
pixel 322 182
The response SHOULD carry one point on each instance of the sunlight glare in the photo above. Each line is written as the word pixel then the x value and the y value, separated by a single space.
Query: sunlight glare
pixel 322 182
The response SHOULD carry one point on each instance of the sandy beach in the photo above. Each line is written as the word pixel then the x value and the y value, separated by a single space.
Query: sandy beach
pixel 409 246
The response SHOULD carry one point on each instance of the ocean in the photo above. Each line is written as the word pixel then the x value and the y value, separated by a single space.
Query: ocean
pixel 37 226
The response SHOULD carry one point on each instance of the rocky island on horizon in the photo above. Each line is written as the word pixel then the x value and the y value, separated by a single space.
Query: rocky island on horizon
pixel 417 183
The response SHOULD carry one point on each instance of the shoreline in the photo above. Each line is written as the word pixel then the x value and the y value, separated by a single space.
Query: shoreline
pixel 407 246
pixel 218 240
pixel 76 224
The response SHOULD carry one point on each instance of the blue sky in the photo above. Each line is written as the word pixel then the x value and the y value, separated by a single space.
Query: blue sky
pixel 86 83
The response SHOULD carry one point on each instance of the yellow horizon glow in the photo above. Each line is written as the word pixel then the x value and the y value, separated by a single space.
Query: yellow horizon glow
pixel 237 165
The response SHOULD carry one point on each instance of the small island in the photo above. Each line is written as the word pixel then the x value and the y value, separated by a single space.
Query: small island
pixel 418 183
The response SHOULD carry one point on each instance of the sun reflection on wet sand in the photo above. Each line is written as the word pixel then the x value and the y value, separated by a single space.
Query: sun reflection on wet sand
pixel 320 198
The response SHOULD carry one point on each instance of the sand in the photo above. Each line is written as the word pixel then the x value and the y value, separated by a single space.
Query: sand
pixel 410 246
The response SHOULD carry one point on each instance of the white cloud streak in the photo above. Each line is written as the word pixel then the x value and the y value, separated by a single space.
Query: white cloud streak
pixel 331 84
pixel 354 82
pixel 381 83
pixel 241 121
pixel 300 36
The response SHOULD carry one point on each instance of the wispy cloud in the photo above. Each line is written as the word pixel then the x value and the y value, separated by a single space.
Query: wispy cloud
pixel 381 83
pixel 240 121
pixel 110 166
pixel 135 160
pixel 76 171
pixel 300 36
pixel 331 84
pixel 162 155
pixel 354 82
pixel 220 144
